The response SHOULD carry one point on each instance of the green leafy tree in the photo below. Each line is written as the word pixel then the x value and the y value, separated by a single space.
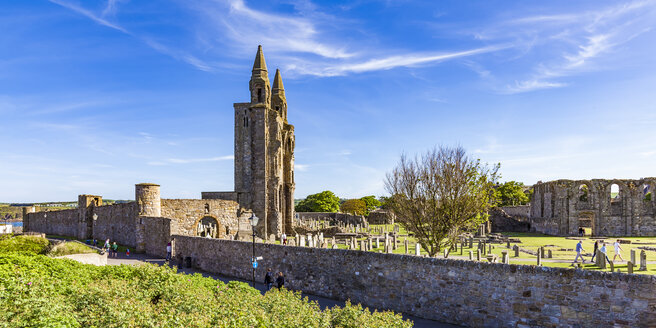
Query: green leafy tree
pixel 441 194
pixel 325 201
pixel 512 193
pixel 371 202
pixel 354 206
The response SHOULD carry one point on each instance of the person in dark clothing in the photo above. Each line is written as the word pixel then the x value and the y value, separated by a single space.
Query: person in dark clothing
pixel 594 252
pixel 268 279
pixel 280 281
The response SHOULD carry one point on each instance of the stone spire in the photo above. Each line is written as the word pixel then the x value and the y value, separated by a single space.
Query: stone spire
pixel 278 88
pixel 259 64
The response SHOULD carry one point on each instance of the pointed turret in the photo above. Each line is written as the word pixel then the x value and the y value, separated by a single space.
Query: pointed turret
pixel 259 64
pixel 259 85
pixel 277 83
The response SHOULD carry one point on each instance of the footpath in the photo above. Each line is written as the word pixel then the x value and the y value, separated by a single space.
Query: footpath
pixel 136 259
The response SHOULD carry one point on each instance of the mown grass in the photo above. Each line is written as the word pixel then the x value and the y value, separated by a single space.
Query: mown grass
pixel 70 247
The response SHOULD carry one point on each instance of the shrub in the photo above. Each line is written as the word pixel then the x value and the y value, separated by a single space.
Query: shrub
pixel 67 248
pixel 24 244
pixel 46 292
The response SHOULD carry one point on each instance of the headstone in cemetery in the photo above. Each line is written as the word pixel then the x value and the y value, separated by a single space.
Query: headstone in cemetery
pixel 363 246
pixel 629 267
pixel 462 247
pixel 471 255
pixel 490 248
pixel 446 253
pixel 539 256
pixel 541 252
pixel 377 242
pixel 471 242
pixel 508 243
pixel 478 255
pixel 417 249
pixel 612 266
pixel 370 241
pixel 394 241
pixel 516 249
pixel 549 254
pixel 633 256
pixel 291 242
pixel 643 260
pixel 504 257
pixel 302 243
pixel 405 241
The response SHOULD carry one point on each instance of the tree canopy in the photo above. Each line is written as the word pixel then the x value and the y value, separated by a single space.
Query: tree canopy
pixel 440 195
pixel 354 206
pixel 512 193
pixel 325 201
pixel 371 202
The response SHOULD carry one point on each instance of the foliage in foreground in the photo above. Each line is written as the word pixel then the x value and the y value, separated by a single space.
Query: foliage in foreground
pixel 24 244
pixel 70 247
pixel 38 291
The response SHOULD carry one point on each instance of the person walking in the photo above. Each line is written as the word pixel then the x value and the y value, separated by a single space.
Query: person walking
pixel 268 279
pixel 618 249
pixel 283 238
pixel 114 249
pixel 594 252
pixel 579 249
pixel 169 248
pixel 603 251
pixel 106 246
pixel 280 281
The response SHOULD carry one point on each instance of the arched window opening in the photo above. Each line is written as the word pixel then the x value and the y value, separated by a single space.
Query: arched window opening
pixel 615 192
pixel 647 192
pixel 259 95
pixel 207 227
pixel 583 192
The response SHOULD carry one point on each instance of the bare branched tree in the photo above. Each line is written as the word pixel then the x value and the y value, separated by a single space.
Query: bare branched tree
pixel 440 195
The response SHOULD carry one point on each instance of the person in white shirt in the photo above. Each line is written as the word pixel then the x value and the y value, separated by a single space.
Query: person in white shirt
pixel 283 238
pixel 618 249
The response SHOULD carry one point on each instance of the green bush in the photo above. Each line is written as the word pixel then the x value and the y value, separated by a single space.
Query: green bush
pixel 46 292
pixel 24 244
pixel 67 248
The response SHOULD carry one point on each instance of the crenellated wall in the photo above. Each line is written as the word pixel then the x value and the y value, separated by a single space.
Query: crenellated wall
pixel 561 207
pixel 463 292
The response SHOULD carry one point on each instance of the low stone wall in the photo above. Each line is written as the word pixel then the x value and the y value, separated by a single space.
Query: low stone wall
pixel 523 211
pixel 333 217
pixel 463 292
pixel 381 217
pixel 546 226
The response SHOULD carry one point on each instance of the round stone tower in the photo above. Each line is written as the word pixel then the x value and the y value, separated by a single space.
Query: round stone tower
pixel 148 199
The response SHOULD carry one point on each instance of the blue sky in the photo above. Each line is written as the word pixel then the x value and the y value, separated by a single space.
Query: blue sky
pixel 96 96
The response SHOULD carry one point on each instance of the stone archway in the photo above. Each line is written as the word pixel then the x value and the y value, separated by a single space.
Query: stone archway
pixel 207 226
pixel 586 220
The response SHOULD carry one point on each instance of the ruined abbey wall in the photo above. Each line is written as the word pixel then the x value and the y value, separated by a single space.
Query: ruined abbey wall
pixel 188 212
pixel 464 292
pixel 116 222
pixel 62 223
pixel 561 207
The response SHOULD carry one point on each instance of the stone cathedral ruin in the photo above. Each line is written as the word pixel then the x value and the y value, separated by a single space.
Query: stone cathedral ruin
pixel 264 186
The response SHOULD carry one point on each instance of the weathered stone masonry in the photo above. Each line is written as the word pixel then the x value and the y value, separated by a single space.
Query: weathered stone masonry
pixel 463 292
pixel 561 207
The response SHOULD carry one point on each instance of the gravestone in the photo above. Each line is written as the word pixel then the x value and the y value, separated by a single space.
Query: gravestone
pixel 489 248
pixel 516 249
pixel 302 243
pixel 406 244
pixel 377 242
pixel 629 267
pixel 446 253
pixel 478 255
pixel 508 243
pixel 504 257
pixel 417 249
pixel 462 247
pixel 541 252
pixel 539 256
pixel 471 242
pixel 601 260
pixel 335 246
pixel 643 260
pixel 633 256
pixel 549 254
pixel 291 242
pixel 612 266
pixel 332 241
pixel 363 246
pixel 370 241
pixel 471 255
pixel 394 242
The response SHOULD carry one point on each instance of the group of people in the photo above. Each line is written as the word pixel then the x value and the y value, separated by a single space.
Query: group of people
pixel 269 280
pixel 616 245
pixel 111 248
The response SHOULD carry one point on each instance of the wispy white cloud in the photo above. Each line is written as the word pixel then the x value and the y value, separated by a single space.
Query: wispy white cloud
pixel 169 161
pixel 301 167
pixel 575 40
pixel 110 9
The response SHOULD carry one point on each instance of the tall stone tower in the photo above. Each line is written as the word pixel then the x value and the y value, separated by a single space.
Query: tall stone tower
pixel 264 152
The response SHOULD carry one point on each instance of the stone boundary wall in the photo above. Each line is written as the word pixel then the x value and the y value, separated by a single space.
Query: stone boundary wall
pixel 153 233
pixel 523 211
pixel 381 217
pixel 116 222
pixel 333 217
pixel 62 223
pixel 462 292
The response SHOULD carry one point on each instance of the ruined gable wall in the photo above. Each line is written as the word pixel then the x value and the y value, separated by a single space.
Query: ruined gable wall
pixel 153 233
pixel 187 213
pixel 463 292
pixel 557 207
pixel 63 223
pixel 116 222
